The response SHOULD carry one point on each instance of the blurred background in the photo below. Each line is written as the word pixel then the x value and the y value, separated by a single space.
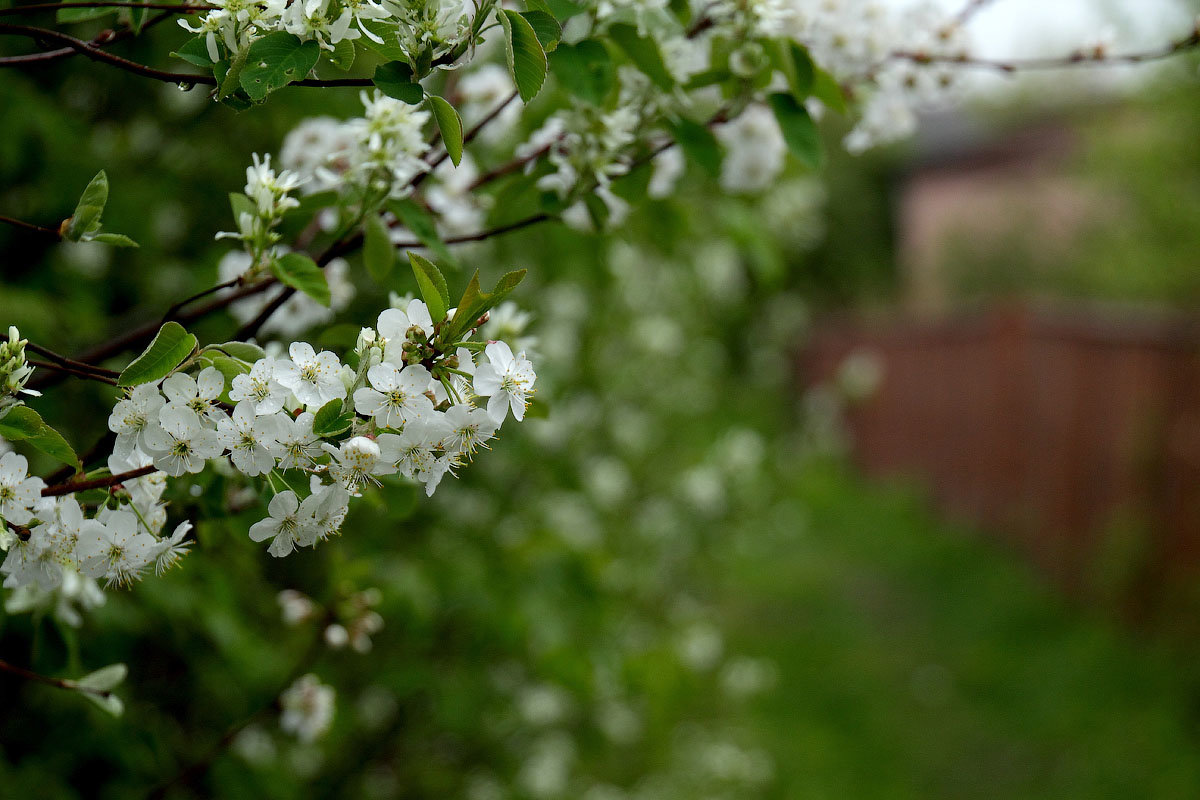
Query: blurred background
pixel 883 483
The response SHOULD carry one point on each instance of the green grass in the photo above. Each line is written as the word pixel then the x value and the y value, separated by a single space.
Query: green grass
pixel 916 660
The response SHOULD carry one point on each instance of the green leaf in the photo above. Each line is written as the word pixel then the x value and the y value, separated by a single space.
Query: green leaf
pixel 20 423
pixel 450 125
pixel 195 51
pixel 796 65
pixel 432 285
pixel 585 70
pixel 115 239
pixel 378 253
pixel 538 5
pixel 526 58
pixel 243 351
pixel 230 83
pixel 86 218
pixel 301 272
pixel 799 130
pixel 390 48
pixel 276 60
pixel 699 145
pixel 240 204
pixel 826 89
pixel 343 54
pixel 474 302
pixel 545 26
pixel 331 419
pixel 23 424
pixel 171 345
pixel 395 79
pixel 644 53
pixel 104 679
pixel 418 220
pixel 68 15
pixel 598 211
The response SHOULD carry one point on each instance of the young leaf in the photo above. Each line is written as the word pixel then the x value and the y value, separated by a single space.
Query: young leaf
pixel 171 345
pixel 195 51
pixel 644 53
pixel 826 89
pixel 301 272
pixel 276 60
pixel 585 70
pixel 115 239
pixel 799 130
pixel 343 53
pixel 395 79
pixel 243 351
pixel 417 219
pixel 68 15
pixel 432 285
pixel 86 218
pixel 450 126
pixel 378 253
pixel 24 424
pixel 104 679
pixel 230 83
pixel 526 58
pixel 474 302
pixel 330 419
pixel 699 144
pixel 548 31
pixel 389 47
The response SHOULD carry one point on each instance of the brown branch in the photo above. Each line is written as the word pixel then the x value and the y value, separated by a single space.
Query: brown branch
pixel 510 167
pixel 174 7
pixel 70 362
pixel 969 10
pixel 29 226
pixel 105 37
pixel 71 487
pixel 87 376
pixel 175 309
pixel 59 683
pixel 1097 57
pixel 21 531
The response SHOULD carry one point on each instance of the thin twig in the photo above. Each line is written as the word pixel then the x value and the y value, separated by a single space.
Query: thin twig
pixel 70 362
pixel 510 167
pixel 969 10
pixel 59 683
pixel 1078 58
pixel 88 376
pixel 29 226
pixel 70 487
pixel 175 309
pixel 174 7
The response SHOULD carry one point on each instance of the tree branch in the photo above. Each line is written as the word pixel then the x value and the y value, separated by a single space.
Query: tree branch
pixel 29 226
pixel 1076 59
pixel 88 376
pixel 70 362
pixel 59 683
pixel 173 7
pixel 70 487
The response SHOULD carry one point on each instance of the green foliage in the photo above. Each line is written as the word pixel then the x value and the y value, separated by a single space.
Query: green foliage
pixel 523 50
pixel 585 69
pixel 332 419
pixel 643 52
pixel 23 424
pixel 799 130
pixel 171 346
pixel 419 222
pixel 301 272
pixel 84 224
pixel 273 62
pixel 395 79
pixel 432 284
pixel 378 253
pixel 449 126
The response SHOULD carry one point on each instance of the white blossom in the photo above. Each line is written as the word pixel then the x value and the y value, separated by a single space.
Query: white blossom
pixel 313 378
pixel 307 708
pixel 132 415
pixel 179 443
pixel 116 550
pixel 250 439
pixel 506 379
pixel 285 525
pixel 199 394
pixel 18 492
pixel 395 396
pixel 260 387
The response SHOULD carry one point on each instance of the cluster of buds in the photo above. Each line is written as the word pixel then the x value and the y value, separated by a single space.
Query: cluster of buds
pixel 14 370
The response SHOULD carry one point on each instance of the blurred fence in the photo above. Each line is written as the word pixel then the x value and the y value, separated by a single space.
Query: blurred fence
pixel 1075 434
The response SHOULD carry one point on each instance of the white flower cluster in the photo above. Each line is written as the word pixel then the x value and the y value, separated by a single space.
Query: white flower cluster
pixel 308 707
pixel 117 545
pixel 587 147
pixel 406 420
pixel 431 27
pixel 14 370
pixel 269 198
pixel 381 150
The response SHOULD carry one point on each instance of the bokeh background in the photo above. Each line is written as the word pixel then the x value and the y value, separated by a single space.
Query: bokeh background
pixel 884 483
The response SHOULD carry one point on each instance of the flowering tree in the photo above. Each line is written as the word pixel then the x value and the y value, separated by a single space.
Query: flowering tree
pixel 576 111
